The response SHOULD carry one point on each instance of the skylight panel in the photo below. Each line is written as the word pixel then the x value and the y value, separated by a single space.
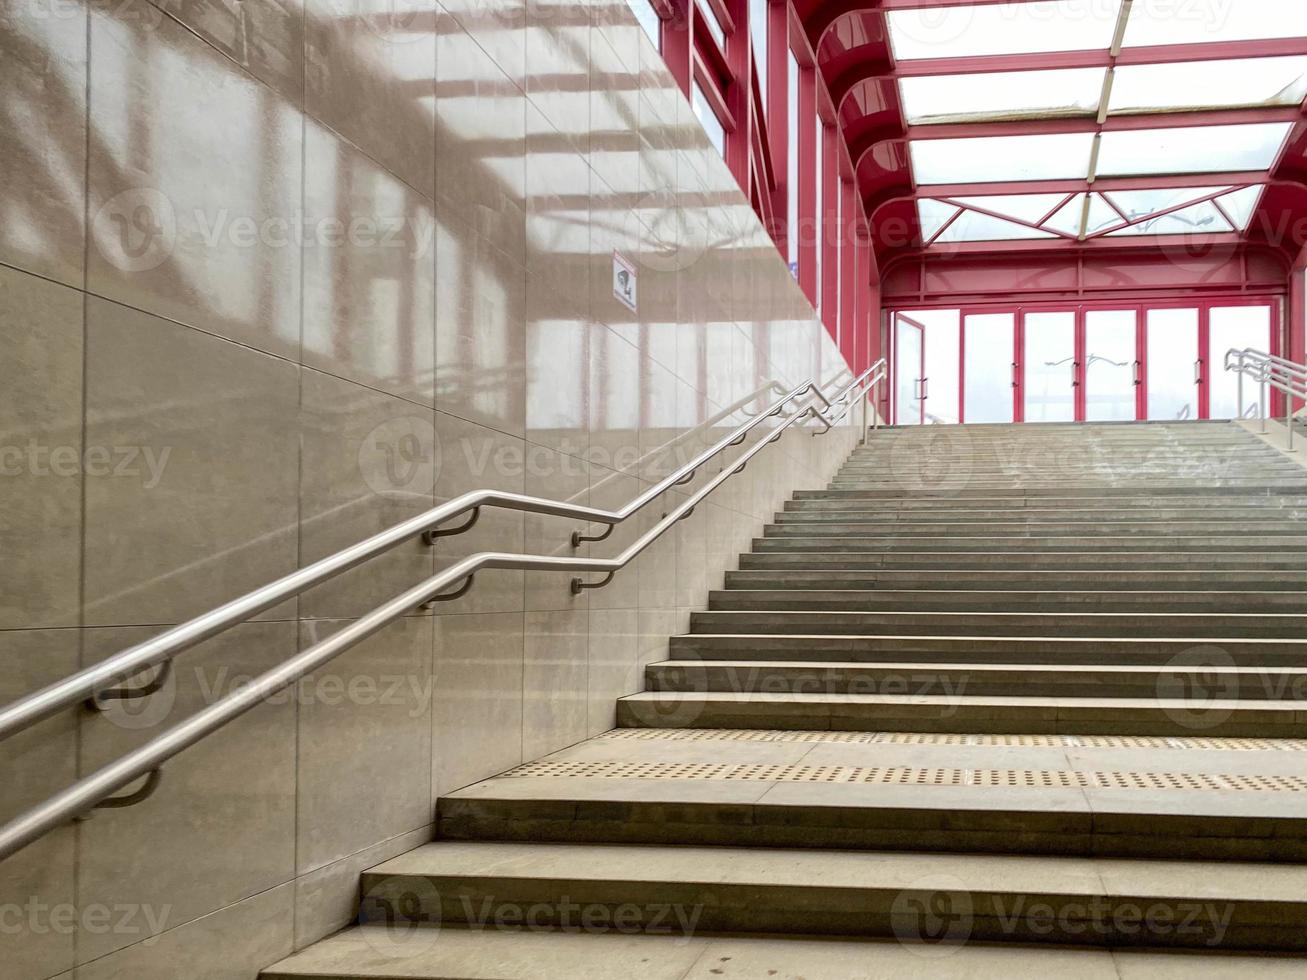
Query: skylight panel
pixel 1241 204
pixel 1210 84
pixel 932 216
pixel 1011 28
pixel 1170 22
pixel 1068 216
pixel 985 160
pixel 972 226
pixel 1002 95
pixel 1140 204
pixel 1200 219
pixel 1191 150
pixel 1024 207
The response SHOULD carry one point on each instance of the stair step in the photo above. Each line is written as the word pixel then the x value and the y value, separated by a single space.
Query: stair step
pixel 1052 600
pixel 465 954
pixel 1024 580
pixel 971 680
pixel 955 648
pixel 946 713
pixel 1125 796
pixel 1082 561
pixel 984 898
pixel 901 622
pixel 1296 543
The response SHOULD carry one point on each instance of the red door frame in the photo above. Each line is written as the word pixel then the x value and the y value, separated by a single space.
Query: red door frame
pixel 1204 306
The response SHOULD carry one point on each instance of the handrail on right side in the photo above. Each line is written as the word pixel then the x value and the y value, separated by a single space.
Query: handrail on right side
pixel 1269 370
pixel 87 684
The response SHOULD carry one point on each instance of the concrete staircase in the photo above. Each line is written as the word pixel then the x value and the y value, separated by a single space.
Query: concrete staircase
pixel 1001 699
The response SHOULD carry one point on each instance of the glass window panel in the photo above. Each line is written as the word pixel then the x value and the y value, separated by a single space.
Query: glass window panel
pixel 1023 207
pixel 1201 219
pixel 708 17
pixel 792 164
pixel 1069 216
pixel 1191 150
pixel 987 367
pixel 821 203
pixel 1110 360
pixel 1241 204
pixel 1048 364
pixel 908 348
pixel 942 364
pixel 1140 204
pixel 932 214
pixel 972 226
pixel 1101 215
pixel 987 159
pixel 758 32
pixel 1210 84
pixel 649 20
pixel 1234 328
pixel 1172 22
pixel 1172 345
pixel 709 121
pixel 1018 94
pixel 1011 28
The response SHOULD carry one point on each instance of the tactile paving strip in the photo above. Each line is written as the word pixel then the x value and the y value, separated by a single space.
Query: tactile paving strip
pixel 923 776
pixel 912 738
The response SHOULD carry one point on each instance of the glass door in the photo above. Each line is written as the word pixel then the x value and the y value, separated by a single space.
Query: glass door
pixel 1113 371
pixel 1234 328
pixel 1050 372
pixel 989 369
pixel 909 371
pixel 1173 372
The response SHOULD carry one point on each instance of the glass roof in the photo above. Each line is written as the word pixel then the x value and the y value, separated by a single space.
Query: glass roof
pixel 988 159
pixel 1000 95
pixel 1071 69
pixel 1191 149
pixel 1209 84
pixel 1177 22
pixel 1155 211
pixel 1015 28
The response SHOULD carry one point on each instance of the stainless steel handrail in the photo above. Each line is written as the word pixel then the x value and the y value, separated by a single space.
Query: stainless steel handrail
pixel 160 649
pixel 99 786
pixel 1269 370
pixel 85 794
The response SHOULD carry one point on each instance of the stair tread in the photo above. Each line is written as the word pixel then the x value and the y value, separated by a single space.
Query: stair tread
pixel 901 666
pixel 1287 709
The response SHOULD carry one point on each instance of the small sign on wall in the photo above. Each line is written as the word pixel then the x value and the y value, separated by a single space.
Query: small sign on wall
pixel 624 286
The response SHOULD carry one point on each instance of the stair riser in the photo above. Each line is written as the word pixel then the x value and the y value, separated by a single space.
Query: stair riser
pixel 982 600
pixel 999 580
pixel 1267 684
pixel 1288 545
pixel 834 527
pixel 954 829
pixel 679 907
pixel 958 715
pixel 1123 561
pixel 1060 625
pixel 980 649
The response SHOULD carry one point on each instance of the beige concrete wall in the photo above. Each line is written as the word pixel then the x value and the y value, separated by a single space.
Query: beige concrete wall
pixel 274 276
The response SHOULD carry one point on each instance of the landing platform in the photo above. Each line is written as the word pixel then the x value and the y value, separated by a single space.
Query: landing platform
pixel 1127 796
